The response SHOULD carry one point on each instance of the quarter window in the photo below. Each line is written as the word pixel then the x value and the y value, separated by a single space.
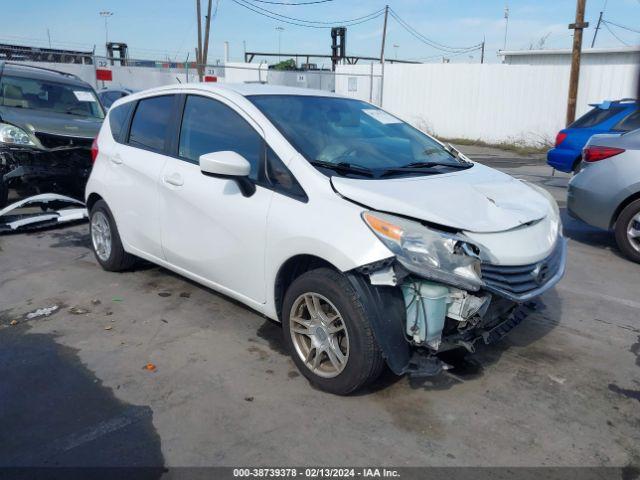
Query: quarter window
pixel 210 126
pixel 280 179
pixel 117 118
pixel 150 122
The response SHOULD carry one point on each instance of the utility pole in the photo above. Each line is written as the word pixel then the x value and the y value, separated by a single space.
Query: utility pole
pixel 199 47
pixel 574 77
pixel 482 51
pixel 280 30
pixel 384 38
pixel 106 14
pixel 506 24
pixel 206 36
pixel 595 34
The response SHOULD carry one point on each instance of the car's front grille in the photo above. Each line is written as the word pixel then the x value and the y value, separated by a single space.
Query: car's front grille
pixel 521 282
pixel 49 140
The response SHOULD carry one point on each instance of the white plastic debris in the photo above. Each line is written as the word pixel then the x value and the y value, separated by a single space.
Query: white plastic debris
pixel 42 312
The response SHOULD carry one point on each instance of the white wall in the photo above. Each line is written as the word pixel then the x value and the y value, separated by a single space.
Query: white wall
pixel 239 72
pixel 495 103
pixel 136 78
pixel 590 56
pixel 359 81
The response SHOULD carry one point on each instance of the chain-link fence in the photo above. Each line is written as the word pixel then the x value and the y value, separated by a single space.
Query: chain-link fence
pixel 363 81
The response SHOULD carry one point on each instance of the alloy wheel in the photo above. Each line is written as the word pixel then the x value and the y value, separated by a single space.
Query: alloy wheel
pixel 633 232
pixel 319 335
pixel 101 235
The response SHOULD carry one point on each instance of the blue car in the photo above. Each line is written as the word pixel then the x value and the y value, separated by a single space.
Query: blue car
pixel 607 117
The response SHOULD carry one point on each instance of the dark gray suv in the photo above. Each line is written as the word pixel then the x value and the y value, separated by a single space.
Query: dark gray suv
pixel 48 121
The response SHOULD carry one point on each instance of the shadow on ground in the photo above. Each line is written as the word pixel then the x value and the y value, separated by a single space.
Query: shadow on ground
pixel 55 413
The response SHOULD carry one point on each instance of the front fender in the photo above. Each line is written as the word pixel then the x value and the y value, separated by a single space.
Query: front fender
pixel 385 309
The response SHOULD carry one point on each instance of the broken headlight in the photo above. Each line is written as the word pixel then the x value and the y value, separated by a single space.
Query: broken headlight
pixel 14 135
pixel 431 254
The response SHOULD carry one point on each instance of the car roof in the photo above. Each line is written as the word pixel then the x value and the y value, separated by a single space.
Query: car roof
pixel 40 73
pixel 116 89
pixel 242 89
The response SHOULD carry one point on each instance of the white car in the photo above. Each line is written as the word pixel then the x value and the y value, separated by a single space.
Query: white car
pixel 370 241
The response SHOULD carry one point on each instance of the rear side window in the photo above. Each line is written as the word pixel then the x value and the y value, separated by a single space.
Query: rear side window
pixel 630 122
pixel 210 126
pixel 117 120
pixel 150 123
pixel 595 117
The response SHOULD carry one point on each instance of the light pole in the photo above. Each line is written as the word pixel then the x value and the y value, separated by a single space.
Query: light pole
pixel 280 30
pixel 106 14
pixel 395 48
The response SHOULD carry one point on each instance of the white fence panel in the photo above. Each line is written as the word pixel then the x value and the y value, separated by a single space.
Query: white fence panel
pixel 239 72
pixel 359 81
pixel 524 104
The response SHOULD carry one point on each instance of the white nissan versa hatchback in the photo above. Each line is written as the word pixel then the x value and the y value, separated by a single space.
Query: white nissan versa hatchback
pixel 370 241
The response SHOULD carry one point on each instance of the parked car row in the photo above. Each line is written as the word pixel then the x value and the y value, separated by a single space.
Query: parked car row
pixel 618 116
pixel 369 240
pixel 602 149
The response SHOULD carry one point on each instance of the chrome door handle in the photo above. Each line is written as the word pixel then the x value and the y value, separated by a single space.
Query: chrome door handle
pixel 117 159
pixel 174 179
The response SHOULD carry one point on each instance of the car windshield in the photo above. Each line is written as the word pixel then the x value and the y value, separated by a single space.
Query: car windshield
pixel 352 137
pixel 20 92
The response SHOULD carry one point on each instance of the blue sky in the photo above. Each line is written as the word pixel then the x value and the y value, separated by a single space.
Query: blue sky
pixel 157 28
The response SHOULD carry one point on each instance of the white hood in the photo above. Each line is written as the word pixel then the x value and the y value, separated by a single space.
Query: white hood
pixel 479 199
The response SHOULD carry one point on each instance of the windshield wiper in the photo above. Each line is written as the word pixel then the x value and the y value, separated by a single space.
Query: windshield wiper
pixel 343 167
pixel 423 167
pixel 436 164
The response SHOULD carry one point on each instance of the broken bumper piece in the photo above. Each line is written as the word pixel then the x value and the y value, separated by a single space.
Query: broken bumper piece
pixel 54 209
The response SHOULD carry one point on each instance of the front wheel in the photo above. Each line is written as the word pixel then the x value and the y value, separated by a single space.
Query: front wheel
pixel 628 231
pixel 328 334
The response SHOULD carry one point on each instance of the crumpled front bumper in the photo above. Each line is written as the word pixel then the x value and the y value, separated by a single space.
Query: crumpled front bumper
pixel 60 170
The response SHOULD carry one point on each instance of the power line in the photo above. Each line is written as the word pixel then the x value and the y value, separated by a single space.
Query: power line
pixel 315 22
pixel 432 43
pixel 606 25
pixel 294 3
pixel 621 26
pixel 305 23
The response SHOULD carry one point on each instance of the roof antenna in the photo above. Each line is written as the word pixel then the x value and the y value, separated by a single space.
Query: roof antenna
pixel 178 80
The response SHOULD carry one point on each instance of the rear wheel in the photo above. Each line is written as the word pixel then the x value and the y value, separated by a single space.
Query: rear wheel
pixel 105 240
pixel 628 231
pixel 577 164
pixel 328 334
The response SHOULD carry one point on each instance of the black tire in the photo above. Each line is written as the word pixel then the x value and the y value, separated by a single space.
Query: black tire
pixel 4 194
pixel 622 223
pixel 577 164
pixel 118 260
pixel 365 361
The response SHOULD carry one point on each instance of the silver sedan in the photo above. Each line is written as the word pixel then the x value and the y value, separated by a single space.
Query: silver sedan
pixel 606 191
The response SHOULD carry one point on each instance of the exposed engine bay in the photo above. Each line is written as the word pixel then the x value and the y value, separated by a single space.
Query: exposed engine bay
pixel 62 166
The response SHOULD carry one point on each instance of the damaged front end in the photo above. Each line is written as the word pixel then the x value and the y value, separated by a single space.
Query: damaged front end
pixel 47 163
pixel 440 292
